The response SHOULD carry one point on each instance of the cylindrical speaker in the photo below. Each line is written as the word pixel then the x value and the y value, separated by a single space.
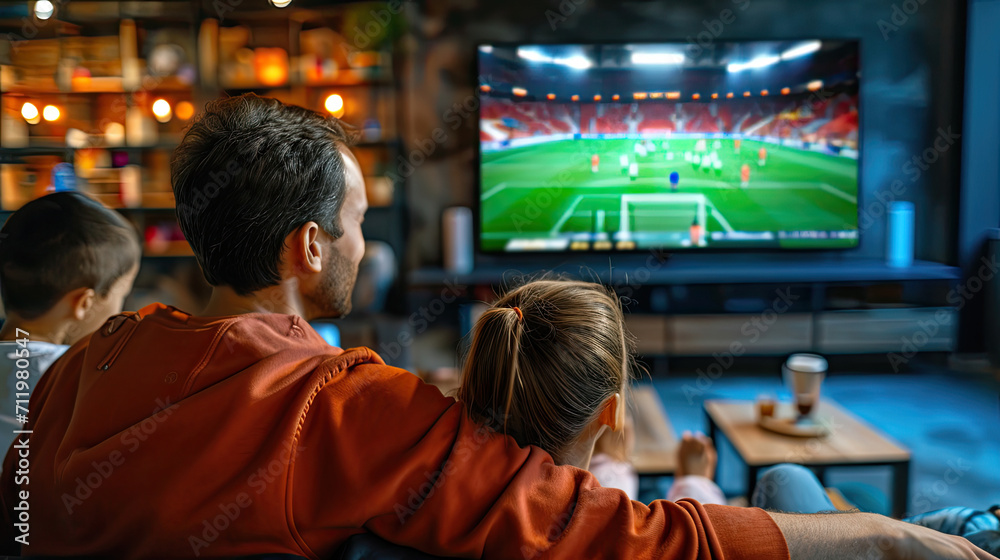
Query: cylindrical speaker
pixel 456 237
pixel 899 248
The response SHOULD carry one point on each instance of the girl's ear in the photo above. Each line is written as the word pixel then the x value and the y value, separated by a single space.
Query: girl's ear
pixel 613 412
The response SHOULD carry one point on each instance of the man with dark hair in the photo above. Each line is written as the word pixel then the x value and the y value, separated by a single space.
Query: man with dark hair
pixel 250 172
pixel 239 431
pixel 66 265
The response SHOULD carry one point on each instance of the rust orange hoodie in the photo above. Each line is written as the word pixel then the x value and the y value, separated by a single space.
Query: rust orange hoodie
pixel 168 435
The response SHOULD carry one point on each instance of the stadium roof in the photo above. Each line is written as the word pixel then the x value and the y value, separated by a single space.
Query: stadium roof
pixel 685 69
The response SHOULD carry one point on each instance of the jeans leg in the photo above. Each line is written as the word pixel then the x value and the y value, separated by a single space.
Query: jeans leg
pixel 957 520
pixel 792 489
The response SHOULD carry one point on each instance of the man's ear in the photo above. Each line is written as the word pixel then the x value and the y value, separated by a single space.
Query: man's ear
pixel 613 412
pixel 81 301
pixel 306 247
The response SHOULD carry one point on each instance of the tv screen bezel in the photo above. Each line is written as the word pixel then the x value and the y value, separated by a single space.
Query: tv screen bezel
pixel 501 253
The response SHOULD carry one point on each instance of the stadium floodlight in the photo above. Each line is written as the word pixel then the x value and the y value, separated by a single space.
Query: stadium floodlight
pixel 801 50
pixel 759 62
pixel 532 55
pixel 578 62
pixel 657 58
pixel 486 48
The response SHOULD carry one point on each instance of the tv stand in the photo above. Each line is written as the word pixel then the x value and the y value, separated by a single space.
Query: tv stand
pixel 704 304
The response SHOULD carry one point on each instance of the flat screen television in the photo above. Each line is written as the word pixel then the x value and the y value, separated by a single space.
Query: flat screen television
pixel 670 146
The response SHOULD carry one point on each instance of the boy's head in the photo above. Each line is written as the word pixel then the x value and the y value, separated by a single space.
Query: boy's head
pixel 269 194
pixel 68 262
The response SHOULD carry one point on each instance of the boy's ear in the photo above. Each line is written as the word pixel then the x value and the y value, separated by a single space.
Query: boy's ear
pixel 613 412
pixel 81 301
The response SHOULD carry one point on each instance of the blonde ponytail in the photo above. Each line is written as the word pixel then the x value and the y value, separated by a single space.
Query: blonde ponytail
pixel 544 359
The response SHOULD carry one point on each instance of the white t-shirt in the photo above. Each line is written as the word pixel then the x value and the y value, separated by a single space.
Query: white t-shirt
pixel 41 355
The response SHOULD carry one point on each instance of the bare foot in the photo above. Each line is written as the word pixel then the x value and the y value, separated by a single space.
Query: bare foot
pixel 696 455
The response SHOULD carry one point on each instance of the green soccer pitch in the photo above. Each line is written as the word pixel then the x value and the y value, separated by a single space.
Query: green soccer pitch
pixel 549 191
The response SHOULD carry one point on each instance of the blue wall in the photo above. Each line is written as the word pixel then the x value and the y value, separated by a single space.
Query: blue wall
pixel 979 207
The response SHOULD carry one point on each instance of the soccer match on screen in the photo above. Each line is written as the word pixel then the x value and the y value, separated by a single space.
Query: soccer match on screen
pixel 618 147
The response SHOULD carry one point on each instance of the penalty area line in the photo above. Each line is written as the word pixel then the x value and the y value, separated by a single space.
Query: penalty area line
pixel 499 187
pixel 722 220
pixel 566 215
pixel 837 192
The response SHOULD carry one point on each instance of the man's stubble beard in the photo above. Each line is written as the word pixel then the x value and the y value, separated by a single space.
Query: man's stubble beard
pixel 333 295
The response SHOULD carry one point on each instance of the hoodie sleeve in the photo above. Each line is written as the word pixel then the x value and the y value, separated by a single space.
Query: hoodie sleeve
pixel 381 451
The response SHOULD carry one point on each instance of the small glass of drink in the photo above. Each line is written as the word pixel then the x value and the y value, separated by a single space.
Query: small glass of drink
pixel 765 405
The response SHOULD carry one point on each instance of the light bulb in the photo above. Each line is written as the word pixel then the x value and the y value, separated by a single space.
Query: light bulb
pixel 30 113
pixel 161 110
pixel 44 9
pixel 50 113
pixel 334 104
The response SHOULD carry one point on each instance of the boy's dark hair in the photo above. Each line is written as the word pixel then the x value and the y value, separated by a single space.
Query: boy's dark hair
pixel 249 171
pixel 58 243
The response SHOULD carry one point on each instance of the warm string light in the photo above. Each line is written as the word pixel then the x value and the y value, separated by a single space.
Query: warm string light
pixel 50 113
pixel 30 113
pixel 334 104
pixel 184 110
pixel 161 110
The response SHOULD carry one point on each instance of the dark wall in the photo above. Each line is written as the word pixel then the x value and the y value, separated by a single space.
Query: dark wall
pixel 912 74
pixel 980 200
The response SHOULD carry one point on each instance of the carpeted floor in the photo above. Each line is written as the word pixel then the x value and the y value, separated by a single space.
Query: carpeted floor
pixel 949 421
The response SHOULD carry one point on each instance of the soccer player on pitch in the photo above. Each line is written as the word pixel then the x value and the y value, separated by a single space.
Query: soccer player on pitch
pixel 695 232
pixel 745 175
pixel 595 160
pixel 675 178
pixel 762 157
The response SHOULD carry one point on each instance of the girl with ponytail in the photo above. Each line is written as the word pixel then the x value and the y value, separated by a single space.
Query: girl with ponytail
pixel 549 364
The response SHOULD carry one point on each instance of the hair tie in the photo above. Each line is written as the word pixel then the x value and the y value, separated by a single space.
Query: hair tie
pixel 520 316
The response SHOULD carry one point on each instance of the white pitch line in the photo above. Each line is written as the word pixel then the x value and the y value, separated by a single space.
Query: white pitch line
pixel 499 187
pixel 837 192
pixel 722 221
pixel 566 215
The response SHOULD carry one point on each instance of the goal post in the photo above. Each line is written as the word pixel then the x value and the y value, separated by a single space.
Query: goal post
pixel 627 200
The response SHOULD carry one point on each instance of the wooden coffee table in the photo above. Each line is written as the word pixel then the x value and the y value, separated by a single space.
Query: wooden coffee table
pixel 655 452
pixel 852 442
